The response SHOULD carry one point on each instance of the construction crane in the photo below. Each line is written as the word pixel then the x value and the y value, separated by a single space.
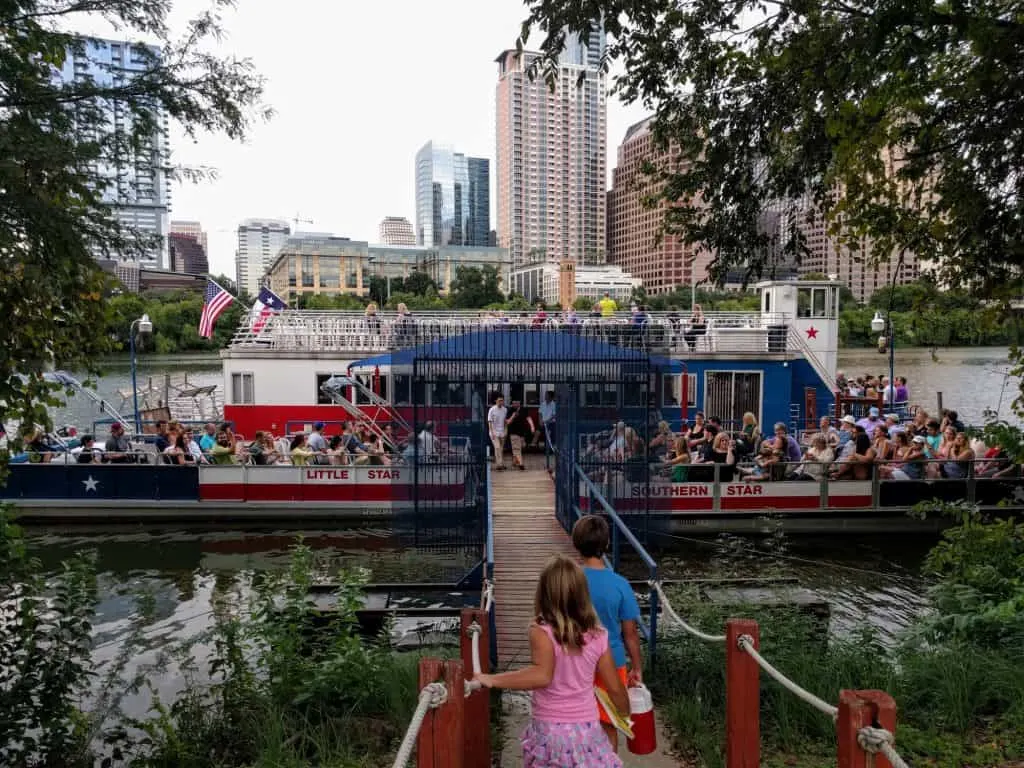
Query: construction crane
pixel 297 220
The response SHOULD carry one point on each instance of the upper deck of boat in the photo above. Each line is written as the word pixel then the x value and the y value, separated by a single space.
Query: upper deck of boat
pixel 341 334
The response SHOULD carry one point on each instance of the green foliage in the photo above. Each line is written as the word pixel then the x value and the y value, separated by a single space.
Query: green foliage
pixel 909 108
pixel 54 137
pixel 175 317
pixel 274 689
pixel 957 675
pixel 475 288
pixel 418 284
pixel 45 641
pixel 583 304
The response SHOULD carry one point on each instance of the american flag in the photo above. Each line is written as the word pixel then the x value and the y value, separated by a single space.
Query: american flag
pixel 216 301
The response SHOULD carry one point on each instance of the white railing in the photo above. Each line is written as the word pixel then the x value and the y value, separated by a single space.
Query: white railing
pixel 338 331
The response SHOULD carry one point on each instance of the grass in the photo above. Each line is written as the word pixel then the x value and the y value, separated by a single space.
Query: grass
pixel 959 704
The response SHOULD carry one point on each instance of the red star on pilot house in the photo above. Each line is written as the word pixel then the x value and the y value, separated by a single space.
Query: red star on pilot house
pixel 812 332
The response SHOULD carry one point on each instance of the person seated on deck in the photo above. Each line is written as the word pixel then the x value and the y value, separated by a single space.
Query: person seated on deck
pixel 317 443
pixel 662 441
pixel 893 426
pixel 424 448
pixel 871 421
pixel 767 457
pixel 942 453
pixel 118 449
pixel 959 460
pixel 899 447
pixel 933 436
pixel 161 441
pixel 677 461
pixel 375 449
pixel 336 454
pixel 913 465
pixel 696 435
pixel 951 419
pixel 825 430
pixel 816 461
pixel 882 446
pixel 223 451
pixel 787 444
pixel 87 452
pixel 356 450
pixel 300 451
pixel 749 437
pixel 847 425
pixel 858 462
pixel 540 317
pixel 919 425
pixel 257 449
pixel 996 464
pixel 176 450
pixel 208 438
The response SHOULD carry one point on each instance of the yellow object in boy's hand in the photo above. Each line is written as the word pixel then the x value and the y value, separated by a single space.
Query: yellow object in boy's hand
pixel 622 724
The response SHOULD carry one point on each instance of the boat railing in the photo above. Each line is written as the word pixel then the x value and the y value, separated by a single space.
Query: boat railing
pixel 667 332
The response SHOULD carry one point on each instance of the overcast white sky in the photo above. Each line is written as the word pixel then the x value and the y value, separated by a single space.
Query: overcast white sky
pixel 358 88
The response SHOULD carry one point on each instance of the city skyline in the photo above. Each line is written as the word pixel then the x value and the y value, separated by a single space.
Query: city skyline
pixel 294 164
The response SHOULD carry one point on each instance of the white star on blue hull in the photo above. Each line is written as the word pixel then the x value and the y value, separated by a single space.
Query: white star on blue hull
pixel 90 484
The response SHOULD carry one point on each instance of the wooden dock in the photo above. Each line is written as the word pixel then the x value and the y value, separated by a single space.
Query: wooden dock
pixel 526 535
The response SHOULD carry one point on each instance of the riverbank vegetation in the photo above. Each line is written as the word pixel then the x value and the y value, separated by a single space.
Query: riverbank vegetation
pixel 957 674
pixel 259 688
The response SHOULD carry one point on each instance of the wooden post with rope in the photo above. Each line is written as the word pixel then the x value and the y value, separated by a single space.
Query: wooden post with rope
pixel 862 709
pixel 478 704
pixel 742 697
pixel 440 741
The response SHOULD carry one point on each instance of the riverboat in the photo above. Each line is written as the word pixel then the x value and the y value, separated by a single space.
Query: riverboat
pixel 302 367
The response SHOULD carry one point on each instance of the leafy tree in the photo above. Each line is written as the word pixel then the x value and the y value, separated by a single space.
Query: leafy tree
pixel 911 109
pixel 475 288
pixel 583 304
pixel 419 283
pixel 54 137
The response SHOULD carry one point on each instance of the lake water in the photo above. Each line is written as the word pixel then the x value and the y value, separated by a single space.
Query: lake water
pixel 864 579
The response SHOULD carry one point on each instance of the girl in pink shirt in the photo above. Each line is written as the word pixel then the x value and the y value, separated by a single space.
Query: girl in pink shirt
pixel 568 646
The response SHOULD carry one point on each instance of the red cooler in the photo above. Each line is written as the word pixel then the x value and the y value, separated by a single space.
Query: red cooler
pixel 641 712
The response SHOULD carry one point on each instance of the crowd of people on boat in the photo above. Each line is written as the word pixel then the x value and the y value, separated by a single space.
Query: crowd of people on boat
pixel 914 446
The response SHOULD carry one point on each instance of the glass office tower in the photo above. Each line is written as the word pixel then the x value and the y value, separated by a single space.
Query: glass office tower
pixel 452 197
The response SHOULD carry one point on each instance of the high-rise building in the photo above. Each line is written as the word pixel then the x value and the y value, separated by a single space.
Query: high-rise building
pixel 479 227
pixel 193 229
pixel 550 163
pixel 663 263
pixel 136 185
pixel 396 230
pixel 187 254
pixel 452 197
pixel 259 241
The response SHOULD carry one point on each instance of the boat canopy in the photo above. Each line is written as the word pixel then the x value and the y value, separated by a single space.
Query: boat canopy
pixel 513 344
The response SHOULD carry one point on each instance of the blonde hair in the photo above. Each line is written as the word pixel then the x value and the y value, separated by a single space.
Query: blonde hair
pixel 371 307
pixel 562 602
pixel 748 416
pixel 402 307
pixel 681 448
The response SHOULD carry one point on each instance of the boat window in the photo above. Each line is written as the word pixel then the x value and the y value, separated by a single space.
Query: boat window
pixel 671 390
pixel 531 394
pixel 439 390
pixel 814 302
pixel 456 393
pixel 767 301
pixel 610 395
pixel 515 392
pixel 419 391
pixel 322 398
pixel 633 393
pixel 242 390
pixel 591 395
pixel 403 389
pixel 730 394
pixel 819 307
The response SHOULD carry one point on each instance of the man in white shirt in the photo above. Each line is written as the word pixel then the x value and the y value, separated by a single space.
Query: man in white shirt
pixel 548 411
pixel 497 422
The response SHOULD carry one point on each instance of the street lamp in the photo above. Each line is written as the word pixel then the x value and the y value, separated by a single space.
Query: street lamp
pixel 145 325
pixel 880 325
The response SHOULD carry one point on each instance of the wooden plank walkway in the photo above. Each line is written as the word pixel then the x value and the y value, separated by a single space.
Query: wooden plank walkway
pixel 526 535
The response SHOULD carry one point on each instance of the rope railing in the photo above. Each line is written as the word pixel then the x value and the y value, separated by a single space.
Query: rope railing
pixel 432 696
pixel 678 619
pixel 746 643
pixel 474 632
pixel 871 739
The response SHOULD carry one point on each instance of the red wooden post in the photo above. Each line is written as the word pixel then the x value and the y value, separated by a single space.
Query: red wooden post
pixel 742 697
pixel 441 737
pixel 858 709
pixel 478 706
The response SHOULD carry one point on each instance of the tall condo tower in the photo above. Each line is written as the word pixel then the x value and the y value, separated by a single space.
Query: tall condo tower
pixel 551 155
pixel 135 183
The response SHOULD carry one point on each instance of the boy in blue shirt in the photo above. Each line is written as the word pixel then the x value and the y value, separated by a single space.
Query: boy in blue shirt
pixel 615 603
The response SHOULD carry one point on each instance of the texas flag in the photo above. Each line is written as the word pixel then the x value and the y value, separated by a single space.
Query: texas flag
pixel 267 304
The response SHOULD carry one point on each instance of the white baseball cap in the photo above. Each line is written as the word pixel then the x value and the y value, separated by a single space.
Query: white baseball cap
pixel 848 419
